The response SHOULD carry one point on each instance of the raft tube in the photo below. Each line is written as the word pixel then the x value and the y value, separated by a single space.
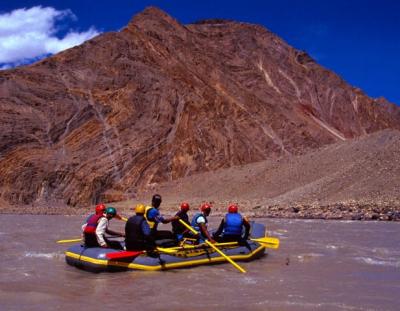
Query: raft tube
pixel 94 259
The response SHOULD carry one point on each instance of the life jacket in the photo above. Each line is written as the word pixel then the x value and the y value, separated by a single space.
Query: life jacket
pixel 92 224
pixel 151 222
pixel 194 223
pixel 233 224
pixel 133 231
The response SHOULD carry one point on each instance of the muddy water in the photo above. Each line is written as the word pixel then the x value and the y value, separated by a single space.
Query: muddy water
pixel 320 266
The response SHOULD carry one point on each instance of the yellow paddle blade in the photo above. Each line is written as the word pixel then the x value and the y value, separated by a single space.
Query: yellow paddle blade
pixel 69 241
pixel 268 242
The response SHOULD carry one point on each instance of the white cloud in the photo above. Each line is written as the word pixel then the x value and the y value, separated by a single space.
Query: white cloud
pixel 29 34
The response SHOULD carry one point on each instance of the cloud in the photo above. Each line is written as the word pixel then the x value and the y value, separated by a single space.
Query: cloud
pixel 27 35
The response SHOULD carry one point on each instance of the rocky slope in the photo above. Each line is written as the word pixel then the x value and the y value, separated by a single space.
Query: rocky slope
pixel 159 101
pixel 355 179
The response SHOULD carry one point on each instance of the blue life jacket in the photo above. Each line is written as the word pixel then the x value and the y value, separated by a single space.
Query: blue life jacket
pixel 233 224
pixel 194 223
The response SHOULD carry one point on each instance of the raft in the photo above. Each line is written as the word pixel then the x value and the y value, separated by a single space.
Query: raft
pixel 96 259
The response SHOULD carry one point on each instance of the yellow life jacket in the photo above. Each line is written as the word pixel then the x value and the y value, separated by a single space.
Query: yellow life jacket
pixel 150 222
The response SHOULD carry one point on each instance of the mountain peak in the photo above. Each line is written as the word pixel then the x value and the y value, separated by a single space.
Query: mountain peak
pixel 150 16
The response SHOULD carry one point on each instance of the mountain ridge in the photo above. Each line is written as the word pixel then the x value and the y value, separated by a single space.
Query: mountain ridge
pixel 159 101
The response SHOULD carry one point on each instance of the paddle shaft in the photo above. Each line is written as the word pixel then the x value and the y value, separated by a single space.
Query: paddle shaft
pixel 214 247
pixel 69 241
pixel 80 239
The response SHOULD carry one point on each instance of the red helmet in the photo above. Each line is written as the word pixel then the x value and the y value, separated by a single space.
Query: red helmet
pixel 100 208
pixel 184 207
pixel 233 208
pixel 205 207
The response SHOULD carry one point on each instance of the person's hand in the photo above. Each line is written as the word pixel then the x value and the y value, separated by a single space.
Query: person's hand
pixel 104 246
pixel 119 217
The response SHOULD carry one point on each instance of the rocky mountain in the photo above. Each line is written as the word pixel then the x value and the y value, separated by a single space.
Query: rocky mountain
pixel 159 100
pixel 352 179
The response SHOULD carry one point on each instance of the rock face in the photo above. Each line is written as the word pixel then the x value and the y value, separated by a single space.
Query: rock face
pixel 160 100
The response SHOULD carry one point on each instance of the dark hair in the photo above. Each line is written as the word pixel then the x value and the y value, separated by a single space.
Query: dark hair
pixel 156 200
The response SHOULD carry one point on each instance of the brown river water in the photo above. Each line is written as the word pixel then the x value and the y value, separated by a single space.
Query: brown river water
pixel 321 265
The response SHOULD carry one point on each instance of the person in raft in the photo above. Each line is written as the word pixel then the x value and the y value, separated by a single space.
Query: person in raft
pixel 199 223
pixel 231 227
pixel 99 210
pixel 153 218
pixel 97 226
pixel 137 232
pixel 179 230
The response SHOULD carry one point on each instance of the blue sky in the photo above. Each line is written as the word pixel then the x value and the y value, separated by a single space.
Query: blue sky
pixel 359 40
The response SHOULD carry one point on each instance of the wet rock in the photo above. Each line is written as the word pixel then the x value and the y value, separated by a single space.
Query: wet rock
pixel 295 209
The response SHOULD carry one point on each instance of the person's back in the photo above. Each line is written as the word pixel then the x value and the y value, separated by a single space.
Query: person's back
pixel 134 237
pixel 233 224
pixel 137 231
pixel 199 223
pixel 231 227
pixel 89 231
pixel 177 227
pixel 99 210
pixel 197 219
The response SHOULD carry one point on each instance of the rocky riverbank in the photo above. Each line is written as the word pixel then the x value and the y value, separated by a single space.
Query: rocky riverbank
pixel 349 210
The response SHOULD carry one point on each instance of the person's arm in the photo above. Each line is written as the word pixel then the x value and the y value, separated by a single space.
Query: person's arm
pixel 163 220
pixel 205 233
pixel 220 229
pixel 101 230
pixel 246 225
pixel 112 232
pixel 119 217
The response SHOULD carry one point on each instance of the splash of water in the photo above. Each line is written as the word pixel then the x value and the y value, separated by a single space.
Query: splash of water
pixel 43 255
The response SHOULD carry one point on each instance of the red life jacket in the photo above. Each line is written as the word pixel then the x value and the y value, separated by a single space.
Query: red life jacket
pixel 92 224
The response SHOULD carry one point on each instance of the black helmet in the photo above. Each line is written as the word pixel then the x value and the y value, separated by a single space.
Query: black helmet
pixel 156 200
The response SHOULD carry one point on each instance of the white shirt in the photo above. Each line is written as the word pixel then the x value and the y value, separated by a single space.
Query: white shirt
pixel 201 220
pixel 101 230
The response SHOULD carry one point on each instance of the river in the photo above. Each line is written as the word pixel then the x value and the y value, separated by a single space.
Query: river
pixel 321 265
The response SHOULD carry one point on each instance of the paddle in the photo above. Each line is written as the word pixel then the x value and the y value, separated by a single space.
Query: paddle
pixel 268 242
pixel 214 247
pixel 69 241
